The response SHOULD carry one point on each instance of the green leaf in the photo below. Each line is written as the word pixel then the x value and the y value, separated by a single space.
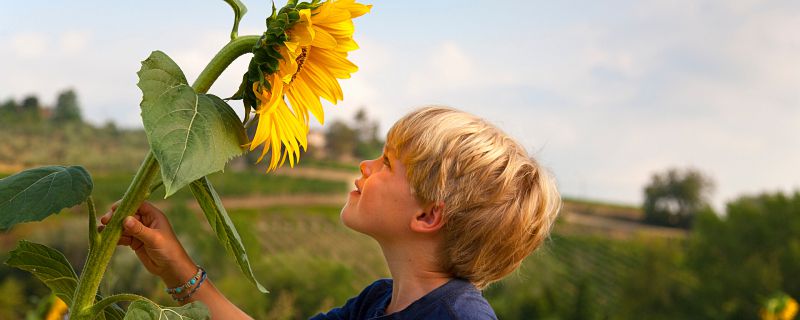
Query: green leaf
pixel 52 268
pixel 48 265
pixel 158 74
pixel 239 10
pixel 191 135
pixel 113 312
pixel 226 232
pixel 109 306
pixel 34 194
pixel 146 310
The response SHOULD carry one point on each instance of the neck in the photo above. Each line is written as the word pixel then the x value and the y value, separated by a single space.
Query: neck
pixel 414 273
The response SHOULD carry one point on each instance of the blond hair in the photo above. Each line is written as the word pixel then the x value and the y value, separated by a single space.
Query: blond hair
pixel 499 204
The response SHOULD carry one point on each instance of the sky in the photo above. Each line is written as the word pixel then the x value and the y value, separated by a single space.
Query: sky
pixel 602 93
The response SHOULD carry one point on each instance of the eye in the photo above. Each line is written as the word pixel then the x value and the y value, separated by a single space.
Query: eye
pixel 386 162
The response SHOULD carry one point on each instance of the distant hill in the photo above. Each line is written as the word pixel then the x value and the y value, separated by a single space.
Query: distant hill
pixel 103 149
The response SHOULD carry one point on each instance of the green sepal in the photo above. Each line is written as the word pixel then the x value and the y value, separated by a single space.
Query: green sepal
pixel 222 225
pixel 266 56
pixel 147 310
pixel 37 193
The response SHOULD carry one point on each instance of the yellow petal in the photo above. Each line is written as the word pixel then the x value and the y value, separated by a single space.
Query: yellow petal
pixel 346 44
pixel 300 94
pixel 330 13
pixel 276 149
pixel 287 66
pixel 268 102
pixel 302 31
pixel 357 10
pixel 323 39
pixel 335 62
pixel 291 45
pixel 322 78
pixel 261 132
pixel 339 29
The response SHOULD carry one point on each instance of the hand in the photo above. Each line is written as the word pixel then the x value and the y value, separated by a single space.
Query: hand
pixel 150 235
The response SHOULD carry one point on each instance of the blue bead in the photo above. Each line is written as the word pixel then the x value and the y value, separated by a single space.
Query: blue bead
pixel 178 290
pixel 192 281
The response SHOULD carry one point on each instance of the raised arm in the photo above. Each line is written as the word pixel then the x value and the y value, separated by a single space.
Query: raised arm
pixel 150 235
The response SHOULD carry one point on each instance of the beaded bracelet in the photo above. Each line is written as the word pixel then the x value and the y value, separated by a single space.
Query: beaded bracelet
pixel 191 293
pixel 188 284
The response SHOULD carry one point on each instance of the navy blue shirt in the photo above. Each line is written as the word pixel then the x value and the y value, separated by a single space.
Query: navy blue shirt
pixel 456 299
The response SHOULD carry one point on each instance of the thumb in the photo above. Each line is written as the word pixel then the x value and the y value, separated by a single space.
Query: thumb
pixel 136 229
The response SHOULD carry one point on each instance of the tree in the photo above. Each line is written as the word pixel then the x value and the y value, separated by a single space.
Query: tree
pixel 341 140
pixel 368 145
pixel 67 108
pixel 747 255
pixel 31 109
pixel 674 197
pixel 8 111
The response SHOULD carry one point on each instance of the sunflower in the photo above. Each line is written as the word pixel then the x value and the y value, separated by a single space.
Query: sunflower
pixel 313 58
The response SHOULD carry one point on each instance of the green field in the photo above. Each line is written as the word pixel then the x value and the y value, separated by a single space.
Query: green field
pixel 310 262
pixel 726 267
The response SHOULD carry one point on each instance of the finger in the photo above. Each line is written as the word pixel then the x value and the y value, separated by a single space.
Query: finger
pixel 106 218
pixel 148 209
pixel 136 244
pixel 137 230
pixel 151 215
pixel 115 205
pixel 125 241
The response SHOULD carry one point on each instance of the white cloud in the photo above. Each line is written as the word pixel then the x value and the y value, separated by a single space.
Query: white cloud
pixel 603 100
pixel 74 42
pixel 29 45
pixel 448 67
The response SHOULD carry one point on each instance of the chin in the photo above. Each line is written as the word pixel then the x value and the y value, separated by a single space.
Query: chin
pixel 346 216
pixel 350 220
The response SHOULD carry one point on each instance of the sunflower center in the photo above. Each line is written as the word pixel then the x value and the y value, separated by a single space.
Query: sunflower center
pixel 301 59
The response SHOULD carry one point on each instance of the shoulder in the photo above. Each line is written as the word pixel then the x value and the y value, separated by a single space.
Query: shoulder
pixel 371 300
pixel 457 299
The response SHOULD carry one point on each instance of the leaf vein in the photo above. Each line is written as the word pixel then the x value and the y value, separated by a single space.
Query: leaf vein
pixel 31 185
pixel 186 140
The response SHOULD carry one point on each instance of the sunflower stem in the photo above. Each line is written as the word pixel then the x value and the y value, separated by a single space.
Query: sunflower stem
pixel 99 257
pixel 139 190
pixel 234 49
pixel 94 236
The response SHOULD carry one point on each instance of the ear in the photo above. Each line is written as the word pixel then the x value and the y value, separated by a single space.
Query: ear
pixel 429 219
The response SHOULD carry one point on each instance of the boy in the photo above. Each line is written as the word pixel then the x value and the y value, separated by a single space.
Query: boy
pixel 454 203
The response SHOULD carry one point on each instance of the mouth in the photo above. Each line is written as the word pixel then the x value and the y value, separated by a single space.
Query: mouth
pixel 358 188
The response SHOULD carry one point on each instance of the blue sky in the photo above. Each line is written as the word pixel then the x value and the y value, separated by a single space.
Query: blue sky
pixel 602 93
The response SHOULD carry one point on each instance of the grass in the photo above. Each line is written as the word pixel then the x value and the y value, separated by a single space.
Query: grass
pixel 603 208
pixel 310 262
pixel 600 203
pixel 110 187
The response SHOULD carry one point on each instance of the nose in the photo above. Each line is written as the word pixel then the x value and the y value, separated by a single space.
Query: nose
pixel 365 167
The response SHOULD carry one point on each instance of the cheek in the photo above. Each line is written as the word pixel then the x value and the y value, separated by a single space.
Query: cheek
pixel 354 216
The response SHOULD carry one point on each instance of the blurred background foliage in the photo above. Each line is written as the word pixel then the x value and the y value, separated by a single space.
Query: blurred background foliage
pixel 673 257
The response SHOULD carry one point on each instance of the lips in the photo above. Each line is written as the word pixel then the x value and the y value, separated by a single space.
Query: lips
pixel 358 187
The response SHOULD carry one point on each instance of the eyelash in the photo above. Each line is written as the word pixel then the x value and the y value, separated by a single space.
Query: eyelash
pixel 386 162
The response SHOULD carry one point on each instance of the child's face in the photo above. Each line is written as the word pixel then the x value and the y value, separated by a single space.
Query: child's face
pixel 382 205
